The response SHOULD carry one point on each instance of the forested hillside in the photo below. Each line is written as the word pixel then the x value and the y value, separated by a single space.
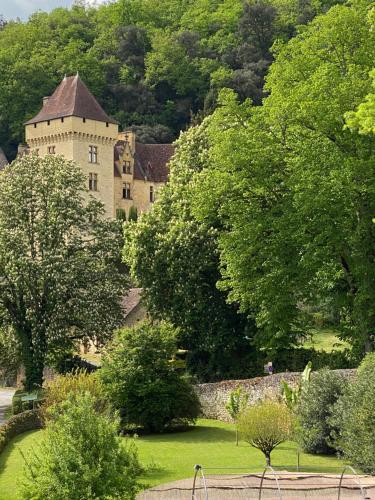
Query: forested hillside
pixel 155 65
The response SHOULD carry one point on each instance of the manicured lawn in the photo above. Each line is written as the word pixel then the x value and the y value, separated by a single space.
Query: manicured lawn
pixel 172 456
pixel 325 339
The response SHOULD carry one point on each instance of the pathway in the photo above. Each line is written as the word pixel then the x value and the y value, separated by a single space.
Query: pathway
pixel 303 487
pixel 5 401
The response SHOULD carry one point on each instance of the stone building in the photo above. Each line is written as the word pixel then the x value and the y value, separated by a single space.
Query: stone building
pixel 3 160
pixel 119 171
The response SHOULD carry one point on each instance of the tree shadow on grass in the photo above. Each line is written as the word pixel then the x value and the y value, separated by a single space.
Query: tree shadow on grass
pixel 202 433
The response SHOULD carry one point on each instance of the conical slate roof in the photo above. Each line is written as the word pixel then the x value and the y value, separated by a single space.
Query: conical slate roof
pixel 71 98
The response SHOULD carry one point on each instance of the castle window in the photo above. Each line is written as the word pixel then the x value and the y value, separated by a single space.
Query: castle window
pixel 127 168
pixel 84 120
pixel 126 191
pixel 93 182
pixel 106 124
pixel 152 194
pixel 62 120
pixel 51 150
pixel 34 125
pixel 48 122
pixel 93 154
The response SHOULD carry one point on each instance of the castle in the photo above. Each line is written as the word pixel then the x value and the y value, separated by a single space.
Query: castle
pixel 120 172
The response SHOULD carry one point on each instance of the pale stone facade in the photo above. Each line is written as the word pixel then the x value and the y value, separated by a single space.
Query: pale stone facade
pixel 120 172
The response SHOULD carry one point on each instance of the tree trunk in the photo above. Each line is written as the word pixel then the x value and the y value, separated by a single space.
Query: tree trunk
pixel 268 459
pixel 33 357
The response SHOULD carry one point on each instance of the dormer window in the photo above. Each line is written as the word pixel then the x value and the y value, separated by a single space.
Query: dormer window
pixel 107 124
pixel 51 150
pixel 93 154
pixel 126 167
pixel 34 125
pixel 84 120
pixel 48 122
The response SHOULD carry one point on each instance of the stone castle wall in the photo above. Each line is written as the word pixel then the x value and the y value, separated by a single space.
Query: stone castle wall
pixel 214 396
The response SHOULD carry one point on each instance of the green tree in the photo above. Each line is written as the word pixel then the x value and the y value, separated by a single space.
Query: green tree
pixel 59 283
pixel 175 259
pixel 81 456
pixel 142 382
pixel 296 193
pixel 265 426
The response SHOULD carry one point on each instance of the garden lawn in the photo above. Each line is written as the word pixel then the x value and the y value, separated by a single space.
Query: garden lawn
pixel 325 339
pixel 172 456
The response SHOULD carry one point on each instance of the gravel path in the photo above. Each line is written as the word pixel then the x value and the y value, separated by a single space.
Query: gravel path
pixel 300 487
pixel 5 401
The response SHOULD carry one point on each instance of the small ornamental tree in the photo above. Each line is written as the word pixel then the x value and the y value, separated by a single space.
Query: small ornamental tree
pixel 142 381
pixel 81 457
pixel 236 404
pixel 265 426
pixel 59 275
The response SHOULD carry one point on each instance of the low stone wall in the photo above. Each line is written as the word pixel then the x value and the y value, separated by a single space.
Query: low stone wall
pixel 214 396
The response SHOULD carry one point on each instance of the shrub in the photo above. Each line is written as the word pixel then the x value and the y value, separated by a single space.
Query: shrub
pixel 354 419
pixel 25 421
pixel 142 381
pixel 74 384
pixel 265 426
pixel 81 457
pixel 315 409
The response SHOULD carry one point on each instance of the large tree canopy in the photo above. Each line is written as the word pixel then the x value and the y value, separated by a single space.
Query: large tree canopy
pixel 175 259
pixel 59 277
pixel 151 64
pixel 294 185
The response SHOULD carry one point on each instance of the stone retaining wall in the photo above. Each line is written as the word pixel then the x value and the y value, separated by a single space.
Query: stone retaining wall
pixel 214 396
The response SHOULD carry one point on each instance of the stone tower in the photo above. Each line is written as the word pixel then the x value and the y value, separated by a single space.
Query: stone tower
pixel 72 123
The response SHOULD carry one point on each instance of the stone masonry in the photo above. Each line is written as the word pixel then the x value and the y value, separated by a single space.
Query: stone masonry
pixel 214 396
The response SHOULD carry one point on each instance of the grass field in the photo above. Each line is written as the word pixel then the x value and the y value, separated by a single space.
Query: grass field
pixel 325 339
pixel 169 457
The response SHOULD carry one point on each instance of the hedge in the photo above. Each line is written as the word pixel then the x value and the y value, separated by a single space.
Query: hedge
pixel 26 421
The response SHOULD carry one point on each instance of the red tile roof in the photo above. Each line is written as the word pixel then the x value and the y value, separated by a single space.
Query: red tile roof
pixel 131 300
pixel 71 98
pixel 150 161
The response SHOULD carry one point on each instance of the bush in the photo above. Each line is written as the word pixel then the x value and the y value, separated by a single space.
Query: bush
pixel 316 407
pixel 142 381
pixel 265 426
pixel 25 421
pixel 19 406
pixel 81 457
pixel 74 385
pixel 354 419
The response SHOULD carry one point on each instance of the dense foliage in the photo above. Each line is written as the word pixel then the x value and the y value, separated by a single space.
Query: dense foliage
pixel 81 456
pixel 143 383
pixel 59 280
pixel 73 385
pixel 354 419
pixel 293 184
pixel 151 64
pixel 315 409
pixel 175 259
pixel 265 426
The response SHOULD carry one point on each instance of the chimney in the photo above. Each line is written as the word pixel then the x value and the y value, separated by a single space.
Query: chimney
pixel 45 100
